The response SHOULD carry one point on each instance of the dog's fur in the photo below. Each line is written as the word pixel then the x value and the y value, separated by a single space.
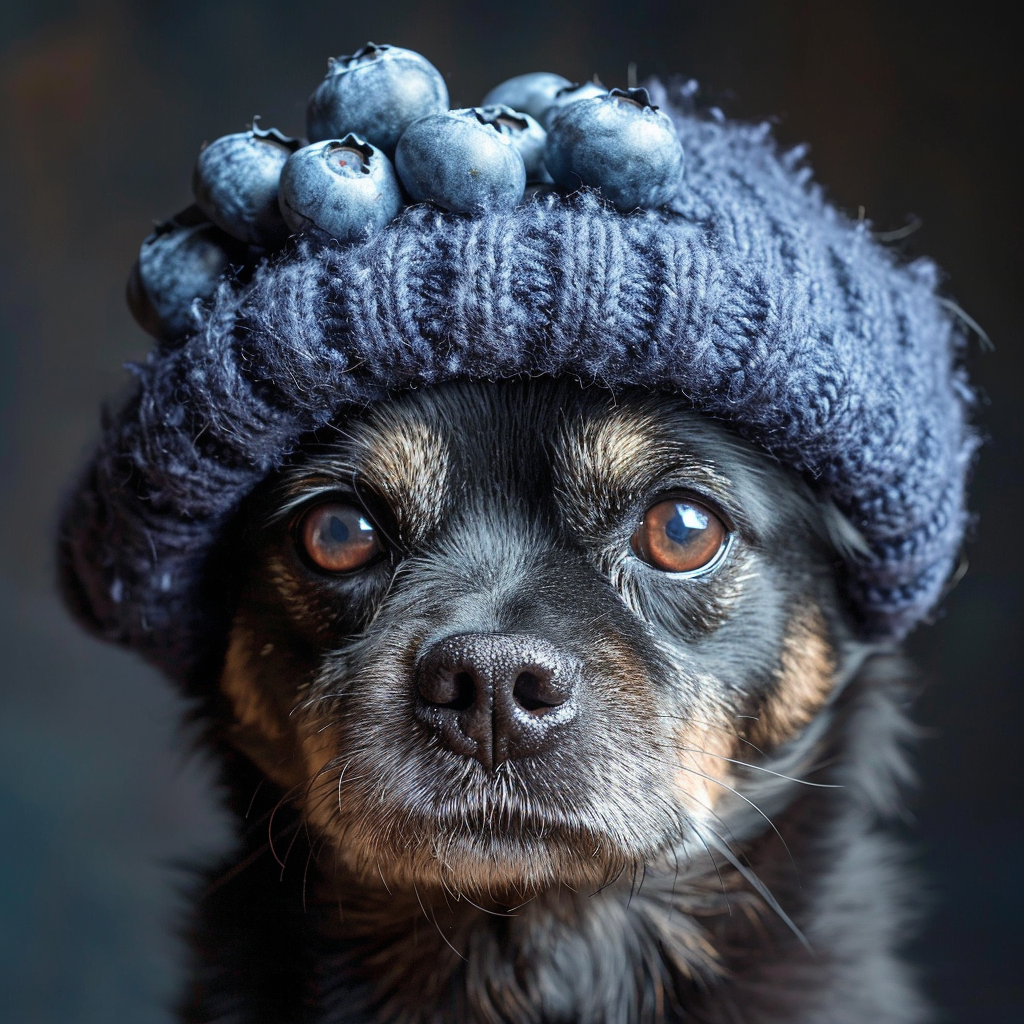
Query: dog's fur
pixel 700 842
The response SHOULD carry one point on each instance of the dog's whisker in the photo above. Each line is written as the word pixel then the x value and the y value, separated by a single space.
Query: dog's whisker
pixel 735 792
pixel 760 768
pixel 238 868
pixel 430 917
pixel 285 798
pixel 510 912
pixel 382 878
pixel 288 852
pixel 341 779
pixel 305 875
pixel 763 891
pixel 610 881
pixel 252 801
pixel 717 726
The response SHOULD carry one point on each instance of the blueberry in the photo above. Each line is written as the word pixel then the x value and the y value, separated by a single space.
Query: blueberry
pixel 181 261
pixel 526 135
pixel 619 143
pixel 461 161
pixel 376 93
pixel 340 189
pixel 532 93
pixel 571 93
pixel 235 184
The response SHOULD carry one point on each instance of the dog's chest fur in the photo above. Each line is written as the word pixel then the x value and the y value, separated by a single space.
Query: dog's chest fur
pixel 664 810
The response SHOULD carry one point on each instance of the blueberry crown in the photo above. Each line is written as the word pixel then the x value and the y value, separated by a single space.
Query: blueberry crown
pixel 381 136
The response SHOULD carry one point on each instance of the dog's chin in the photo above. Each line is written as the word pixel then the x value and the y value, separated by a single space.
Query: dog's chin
pixel 494 857
pixel 505 868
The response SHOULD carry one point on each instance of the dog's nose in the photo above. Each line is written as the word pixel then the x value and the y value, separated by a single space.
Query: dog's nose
pixel 496 696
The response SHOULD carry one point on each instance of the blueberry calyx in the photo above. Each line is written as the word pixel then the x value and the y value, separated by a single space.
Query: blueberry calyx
pixel 348 158
pixel 364 55
pixel 525 133
pixel 376 93
pixel 463 161
pixel 638 96
pixel 343 189
pixel 235 183
pixel 290 142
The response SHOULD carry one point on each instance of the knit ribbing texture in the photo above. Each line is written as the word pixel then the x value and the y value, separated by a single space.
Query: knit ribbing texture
pixel 750 297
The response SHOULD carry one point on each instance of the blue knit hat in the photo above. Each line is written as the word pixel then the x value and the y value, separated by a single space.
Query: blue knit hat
pixel 749 296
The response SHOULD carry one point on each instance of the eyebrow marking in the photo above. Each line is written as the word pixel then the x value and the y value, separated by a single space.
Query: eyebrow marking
pixel 603 466
pixel 407 462
pixel 396 454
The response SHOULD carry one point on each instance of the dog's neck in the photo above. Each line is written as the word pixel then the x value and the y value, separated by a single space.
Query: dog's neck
pixel 481 958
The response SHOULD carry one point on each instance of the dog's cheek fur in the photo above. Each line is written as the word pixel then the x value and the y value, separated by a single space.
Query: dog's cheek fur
pixel 803 680
pixel 704 750
pixel 287 614
pixel 754 679
pixel 264 677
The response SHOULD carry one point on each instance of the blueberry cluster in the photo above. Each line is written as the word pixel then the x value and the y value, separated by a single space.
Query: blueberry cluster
pixel 380 134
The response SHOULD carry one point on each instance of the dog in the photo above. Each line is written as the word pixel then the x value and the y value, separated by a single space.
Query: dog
pixel 543 703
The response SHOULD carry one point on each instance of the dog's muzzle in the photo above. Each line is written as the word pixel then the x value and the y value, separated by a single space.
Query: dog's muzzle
pixel 497 697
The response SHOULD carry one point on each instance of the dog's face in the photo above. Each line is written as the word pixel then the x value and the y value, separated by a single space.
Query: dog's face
pixel 499 636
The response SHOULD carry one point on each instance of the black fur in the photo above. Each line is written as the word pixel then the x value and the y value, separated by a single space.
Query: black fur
pixel 701 843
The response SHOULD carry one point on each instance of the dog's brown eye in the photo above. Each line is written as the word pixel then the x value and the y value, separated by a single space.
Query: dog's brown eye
pixel 680 535
pixel 338 538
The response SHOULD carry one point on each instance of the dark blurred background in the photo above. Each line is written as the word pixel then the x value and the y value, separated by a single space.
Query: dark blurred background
pixel 912 111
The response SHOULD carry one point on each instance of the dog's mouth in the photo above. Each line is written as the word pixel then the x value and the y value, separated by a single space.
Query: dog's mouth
pixel 492 821
pixel 473 853
pixel 445 820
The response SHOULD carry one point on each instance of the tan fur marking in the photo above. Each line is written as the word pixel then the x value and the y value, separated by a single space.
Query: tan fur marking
pixel 618 443
pixel 406 461
pixel 261 729
pixel 704 773
pixel 605 463
pixel 252 709
pixel 285 746
pixel 804 681
pixel 604 457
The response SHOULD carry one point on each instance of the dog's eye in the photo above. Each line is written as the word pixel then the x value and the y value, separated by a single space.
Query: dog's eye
pixel 680 535
pixel 338 537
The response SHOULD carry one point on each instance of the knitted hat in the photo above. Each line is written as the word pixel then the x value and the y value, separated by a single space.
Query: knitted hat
pixel 749 296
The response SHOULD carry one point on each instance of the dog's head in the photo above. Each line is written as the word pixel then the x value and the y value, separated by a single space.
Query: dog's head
pixel 499 636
